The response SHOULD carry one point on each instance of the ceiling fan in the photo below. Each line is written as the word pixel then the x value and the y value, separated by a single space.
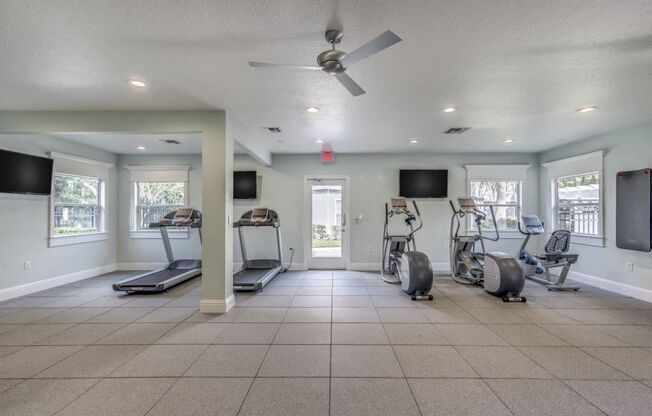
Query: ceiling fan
pixel 336 62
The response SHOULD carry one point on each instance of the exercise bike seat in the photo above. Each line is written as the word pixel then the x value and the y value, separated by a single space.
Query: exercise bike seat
pixel 556 258
pixel 557 248
pixel 559 242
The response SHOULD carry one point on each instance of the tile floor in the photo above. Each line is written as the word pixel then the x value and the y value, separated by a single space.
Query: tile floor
pixel 320 343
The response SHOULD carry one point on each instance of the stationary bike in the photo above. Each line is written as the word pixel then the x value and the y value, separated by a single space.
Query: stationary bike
pixel 401 262
pixel 498 273
pixel 536 267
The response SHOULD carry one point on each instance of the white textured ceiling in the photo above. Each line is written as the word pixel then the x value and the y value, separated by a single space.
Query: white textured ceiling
pixel 125 143
pixel 515 68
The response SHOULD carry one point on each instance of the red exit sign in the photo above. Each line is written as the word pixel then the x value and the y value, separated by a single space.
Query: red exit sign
pixel 327 156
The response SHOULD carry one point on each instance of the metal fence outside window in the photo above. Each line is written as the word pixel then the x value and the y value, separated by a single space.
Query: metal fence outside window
pixel 76 218
pixel 147 214
pixel 579 216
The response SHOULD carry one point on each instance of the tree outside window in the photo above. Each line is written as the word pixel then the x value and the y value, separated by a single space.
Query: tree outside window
pixel 505 198
pixel 77 204
pixel 156 199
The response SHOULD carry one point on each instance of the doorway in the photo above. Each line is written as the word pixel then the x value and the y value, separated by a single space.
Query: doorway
pixel 327 233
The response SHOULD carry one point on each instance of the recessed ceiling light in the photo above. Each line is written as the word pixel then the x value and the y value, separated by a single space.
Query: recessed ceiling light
pixel 587 109
pixel 312 109
pixel 137 83
pixel 508 141
pixel 319 141
pixel 141 148
pixel 414 141
pixel 450 109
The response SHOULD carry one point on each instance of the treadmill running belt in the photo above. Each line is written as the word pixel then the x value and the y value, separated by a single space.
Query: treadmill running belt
pixel 249 276
pixel 155 278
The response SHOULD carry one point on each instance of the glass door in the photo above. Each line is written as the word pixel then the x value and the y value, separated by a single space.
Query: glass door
pixel 327 223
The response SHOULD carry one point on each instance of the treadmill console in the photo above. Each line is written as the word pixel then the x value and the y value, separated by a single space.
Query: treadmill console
pixel 183 217
pixel 259 215
pixel 532 224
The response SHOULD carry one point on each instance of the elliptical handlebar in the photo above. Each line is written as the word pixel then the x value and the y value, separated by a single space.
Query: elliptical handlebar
pixel 479 217
pixel 493 220
pixel 409 218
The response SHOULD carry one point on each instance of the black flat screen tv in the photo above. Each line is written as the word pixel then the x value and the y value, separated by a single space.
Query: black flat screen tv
pixel 25 174
pixel 244 184
pixel 421 183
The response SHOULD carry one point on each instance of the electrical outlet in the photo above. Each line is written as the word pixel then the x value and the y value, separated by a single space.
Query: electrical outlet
pixel 27 265
pixel 629 266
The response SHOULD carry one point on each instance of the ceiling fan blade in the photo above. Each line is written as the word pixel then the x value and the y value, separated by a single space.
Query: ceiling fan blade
pixel 267 64
pixel 381 42
pixel 349 84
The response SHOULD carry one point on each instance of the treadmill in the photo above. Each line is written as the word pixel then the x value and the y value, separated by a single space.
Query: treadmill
pixel 256 273
pixel 177 271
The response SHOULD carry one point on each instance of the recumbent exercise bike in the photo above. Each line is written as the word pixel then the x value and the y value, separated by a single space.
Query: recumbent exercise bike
pixel 556 255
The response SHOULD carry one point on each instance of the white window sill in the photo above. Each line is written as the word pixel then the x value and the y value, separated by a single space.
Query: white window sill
pixel 587 240
pixel 156 234
pixel 68 239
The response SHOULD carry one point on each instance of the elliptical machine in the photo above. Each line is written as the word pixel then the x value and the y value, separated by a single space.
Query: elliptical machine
pixel 401 262
pixel 498 273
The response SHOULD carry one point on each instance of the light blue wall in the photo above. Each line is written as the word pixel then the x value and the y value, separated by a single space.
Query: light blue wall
pixel 373 181
pixel 25 222
pixel 141 250
pixel 628 149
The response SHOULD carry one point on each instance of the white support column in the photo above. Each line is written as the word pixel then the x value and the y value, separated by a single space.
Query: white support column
pixel 217 184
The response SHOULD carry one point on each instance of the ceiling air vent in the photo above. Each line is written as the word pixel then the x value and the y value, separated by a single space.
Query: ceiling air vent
pixel 457 130
pixel 170 141
pixel 272 129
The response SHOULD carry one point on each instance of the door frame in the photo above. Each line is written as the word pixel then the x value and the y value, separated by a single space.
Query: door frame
pixel 307 226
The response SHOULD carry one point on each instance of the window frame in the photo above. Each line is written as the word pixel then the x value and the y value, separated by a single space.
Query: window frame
pixel 507 233
pixel 582 238
pixel 100 234
pixel 135 232
pixel 575 165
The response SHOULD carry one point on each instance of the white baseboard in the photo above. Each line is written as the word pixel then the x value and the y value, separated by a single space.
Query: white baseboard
pixel 376 266
pixel 217 305
pixel 364 267
pixel 295 266
pixel 141 266
pixel 610 285
pixel 44 284
pixel 443 266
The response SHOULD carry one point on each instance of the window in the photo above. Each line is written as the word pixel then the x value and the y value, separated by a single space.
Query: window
pixel 156 199
pixel 505 198
pixel 577 203
pixel 155 192
pixel 574 201
pixel 77 204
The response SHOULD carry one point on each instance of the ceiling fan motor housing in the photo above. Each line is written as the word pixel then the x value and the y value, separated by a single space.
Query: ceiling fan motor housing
pixel 330 61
